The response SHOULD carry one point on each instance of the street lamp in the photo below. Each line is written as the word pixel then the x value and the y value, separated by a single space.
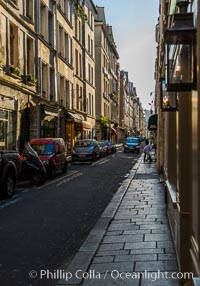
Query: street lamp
pixel 180 51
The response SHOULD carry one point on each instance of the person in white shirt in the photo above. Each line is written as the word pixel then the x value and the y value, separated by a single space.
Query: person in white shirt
pixel 147 150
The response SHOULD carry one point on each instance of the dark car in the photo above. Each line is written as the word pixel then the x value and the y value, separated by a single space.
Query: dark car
pixel 85 150
pixel 52 153
pixel 10 167
pixel 132 144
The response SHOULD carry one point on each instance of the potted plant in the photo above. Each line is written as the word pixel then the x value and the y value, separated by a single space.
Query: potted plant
pixel 81 12
pixel 15 70
pixel 30 78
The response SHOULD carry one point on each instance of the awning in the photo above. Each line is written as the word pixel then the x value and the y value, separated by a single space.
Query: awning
pixel 53 114
pixel 47 111
pixel 153 122
pixel 75 116
pixel 86 125
pixel 114 131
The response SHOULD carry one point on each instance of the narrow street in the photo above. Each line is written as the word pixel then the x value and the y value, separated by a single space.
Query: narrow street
pixel 43 227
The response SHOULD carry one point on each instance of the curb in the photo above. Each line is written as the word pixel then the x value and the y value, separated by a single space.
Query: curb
pixel 89 247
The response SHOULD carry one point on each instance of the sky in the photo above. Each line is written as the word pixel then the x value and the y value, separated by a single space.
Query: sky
pixel 133 23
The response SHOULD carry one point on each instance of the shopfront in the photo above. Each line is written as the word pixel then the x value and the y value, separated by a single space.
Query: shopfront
pixel 49 121
pixel 73 129
pixel 8 123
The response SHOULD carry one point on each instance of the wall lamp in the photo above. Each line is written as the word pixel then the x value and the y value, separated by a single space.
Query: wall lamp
pixel 168 99
pixel 180 51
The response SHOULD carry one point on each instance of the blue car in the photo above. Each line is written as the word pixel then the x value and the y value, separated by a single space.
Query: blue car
pixel 85 150
pixel 132 144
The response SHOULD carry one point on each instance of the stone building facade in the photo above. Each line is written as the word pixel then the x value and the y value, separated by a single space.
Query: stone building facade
pixel 44 89
pixel 179 128
pixel 107 79
pixel 59 74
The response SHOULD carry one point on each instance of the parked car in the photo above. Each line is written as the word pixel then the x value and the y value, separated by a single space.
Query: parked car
pixel 106 143
pixel 52 153
pixel 132 144
pixel 112 147
pixel 103 149
pixel 85 150
pixel 10 167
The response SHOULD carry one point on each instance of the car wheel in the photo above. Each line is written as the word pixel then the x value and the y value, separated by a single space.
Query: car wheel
pixel 37 178
pixel 9 184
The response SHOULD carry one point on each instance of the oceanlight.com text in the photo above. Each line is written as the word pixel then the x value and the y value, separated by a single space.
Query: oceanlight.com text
pixel 60 274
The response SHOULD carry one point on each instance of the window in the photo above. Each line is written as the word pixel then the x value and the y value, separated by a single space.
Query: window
pixel 70 51
pixel 77 96
pixel 62 91
pixel 68 10
pixel 43 21
pixel 90 110
pixel 92 22
pixel 78 29
pixel 80 66
pixel 29 9
pixel 89 22
pixel 50 28
pixel 89 51
pixel 29 56
pixel 92 48
pixel 88 72
pixel 60 40
pixel 92 113
pixel 44 81
pixel 67 48
pixel 92 75
pixel 13 48
pixel 52 85
pixel 76 59
pixel 67 94
pixel 81 99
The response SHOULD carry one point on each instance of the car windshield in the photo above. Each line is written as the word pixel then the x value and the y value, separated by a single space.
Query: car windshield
pixel 132 140
pixel 84 143
pixel 43 149
pixel 105 143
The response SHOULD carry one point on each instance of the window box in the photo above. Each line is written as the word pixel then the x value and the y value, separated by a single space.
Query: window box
pixel 15 70
pixel 31 79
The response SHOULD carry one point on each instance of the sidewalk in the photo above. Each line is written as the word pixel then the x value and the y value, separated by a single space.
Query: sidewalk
pixel 131 242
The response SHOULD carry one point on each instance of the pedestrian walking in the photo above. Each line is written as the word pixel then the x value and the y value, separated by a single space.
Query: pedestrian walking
pixel 147 151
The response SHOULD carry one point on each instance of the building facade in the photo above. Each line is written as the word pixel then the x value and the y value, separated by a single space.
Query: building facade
pixel 106 76
pixel 47 71
pixel 60 75
pixel 178 108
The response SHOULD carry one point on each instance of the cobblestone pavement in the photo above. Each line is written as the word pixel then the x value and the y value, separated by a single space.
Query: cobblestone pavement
pixel 131 243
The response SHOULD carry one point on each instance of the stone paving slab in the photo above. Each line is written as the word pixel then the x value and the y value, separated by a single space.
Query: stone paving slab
pixel 133 238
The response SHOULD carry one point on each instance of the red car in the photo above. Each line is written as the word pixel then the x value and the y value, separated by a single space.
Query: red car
pixel 52 153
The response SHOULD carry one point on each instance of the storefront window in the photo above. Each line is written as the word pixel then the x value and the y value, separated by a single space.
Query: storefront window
pixel 49 128
pixel 7 129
